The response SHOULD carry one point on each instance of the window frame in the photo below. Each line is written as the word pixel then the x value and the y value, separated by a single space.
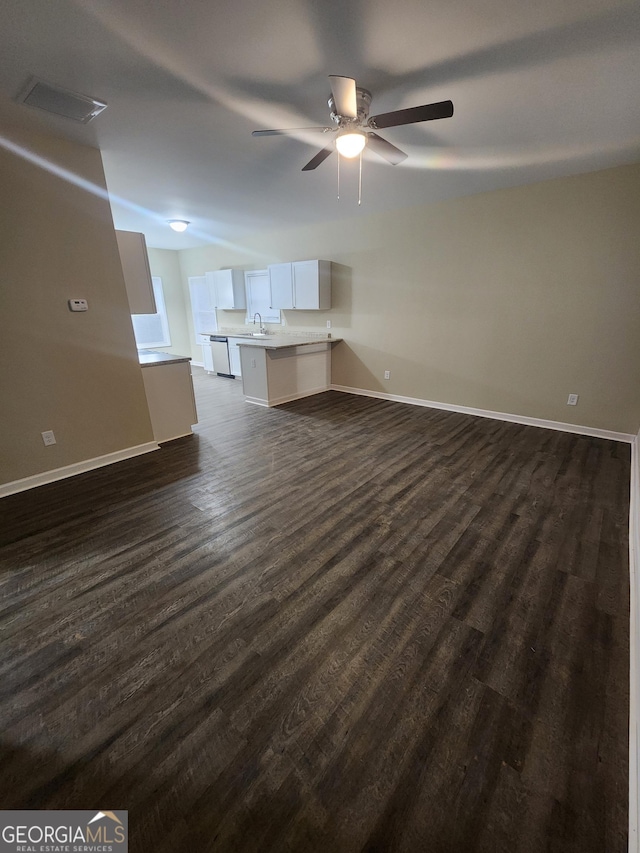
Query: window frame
pixel 269 315
pixel 161 314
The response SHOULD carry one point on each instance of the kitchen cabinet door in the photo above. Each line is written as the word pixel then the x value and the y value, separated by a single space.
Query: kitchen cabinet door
pixel 234 358
pixel 227 289
pixel 311 284
pixel 302 285
pixel 281 285
pixel 137 273
pixel 207 357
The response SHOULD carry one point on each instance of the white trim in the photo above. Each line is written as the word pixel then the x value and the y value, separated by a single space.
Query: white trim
pixel 288 398
pixel 174 437
pixel 45 477
pixel 629 438
pixel 634 646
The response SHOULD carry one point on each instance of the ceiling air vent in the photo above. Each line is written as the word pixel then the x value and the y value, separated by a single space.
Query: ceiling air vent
pixel 53 99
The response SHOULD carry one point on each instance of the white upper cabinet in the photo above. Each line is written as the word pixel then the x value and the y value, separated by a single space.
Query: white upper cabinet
pixel 303 285
pixel 311 284
pixel 281 285
pixel 137 274
pixel 227 289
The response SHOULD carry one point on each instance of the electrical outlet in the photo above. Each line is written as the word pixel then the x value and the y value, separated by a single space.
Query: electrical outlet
pixel 387 374
pixel 573 400
pixel 328 324
pixel 48 437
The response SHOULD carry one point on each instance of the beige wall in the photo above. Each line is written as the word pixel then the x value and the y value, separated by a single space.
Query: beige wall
pixel 165 264
pixel 76 374
pixel 506 301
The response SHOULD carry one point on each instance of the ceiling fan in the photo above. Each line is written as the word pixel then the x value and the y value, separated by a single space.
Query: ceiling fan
pixel 353 127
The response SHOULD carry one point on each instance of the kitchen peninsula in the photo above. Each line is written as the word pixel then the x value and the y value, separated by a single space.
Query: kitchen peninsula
pixel 280 368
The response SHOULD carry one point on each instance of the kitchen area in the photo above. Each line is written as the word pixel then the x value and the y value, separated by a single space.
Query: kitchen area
pixel 274 364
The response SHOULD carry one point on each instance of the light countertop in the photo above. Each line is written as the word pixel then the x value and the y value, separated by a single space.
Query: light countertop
pixel 274 340
pixel 283 341
pixel 151 358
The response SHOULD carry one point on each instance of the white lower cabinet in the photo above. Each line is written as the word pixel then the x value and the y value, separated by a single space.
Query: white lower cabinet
pixel 234 357
pixel 171 401
pixel 207 357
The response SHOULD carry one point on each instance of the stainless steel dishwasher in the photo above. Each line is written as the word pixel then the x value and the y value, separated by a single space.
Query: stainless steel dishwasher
pixel 220 354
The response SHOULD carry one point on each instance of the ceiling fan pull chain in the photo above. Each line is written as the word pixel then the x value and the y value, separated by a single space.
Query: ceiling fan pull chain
pixel 360 182
pixel 338 153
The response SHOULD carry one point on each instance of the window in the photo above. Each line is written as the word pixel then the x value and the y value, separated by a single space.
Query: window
pixel 259 296
pixel 152 330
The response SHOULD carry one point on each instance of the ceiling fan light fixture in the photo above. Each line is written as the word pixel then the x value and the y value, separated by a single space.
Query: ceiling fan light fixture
pixel 351 143
pixel 178 224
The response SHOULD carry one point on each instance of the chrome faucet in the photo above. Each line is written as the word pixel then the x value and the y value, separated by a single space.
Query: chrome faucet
pixel 263 330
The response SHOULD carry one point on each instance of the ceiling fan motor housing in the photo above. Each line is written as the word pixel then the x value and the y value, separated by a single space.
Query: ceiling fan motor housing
pixel 363 100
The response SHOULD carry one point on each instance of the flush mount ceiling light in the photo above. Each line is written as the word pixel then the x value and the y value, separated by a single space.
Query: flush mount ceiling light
pixel 178 224
pixel 351 143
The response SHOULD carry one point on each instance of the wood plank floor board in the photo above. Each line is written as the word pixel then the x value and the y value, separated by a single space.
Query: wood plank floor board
pixel 341 624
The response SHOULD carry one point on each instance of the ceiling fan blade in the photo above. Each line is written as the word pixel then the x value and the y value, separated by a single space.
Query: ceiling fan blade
pixel 428 112
pixel 385 149
pixel 344 96
pixel 290 130
pixel 320 157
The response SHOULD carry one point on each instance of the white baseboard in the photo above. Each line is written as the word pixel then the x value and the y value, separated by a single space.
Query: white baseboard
pixel 629 438
pixel 634 647
pixel 77 468
pixel 289 398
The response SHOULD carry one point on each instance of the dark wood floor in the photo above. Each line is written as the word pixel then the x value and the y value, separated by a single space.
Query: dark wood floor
pixel 340 625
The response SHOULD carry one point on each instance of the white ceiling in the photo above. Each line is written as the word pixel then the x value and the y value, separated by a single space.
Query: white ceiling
pixel 540 90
